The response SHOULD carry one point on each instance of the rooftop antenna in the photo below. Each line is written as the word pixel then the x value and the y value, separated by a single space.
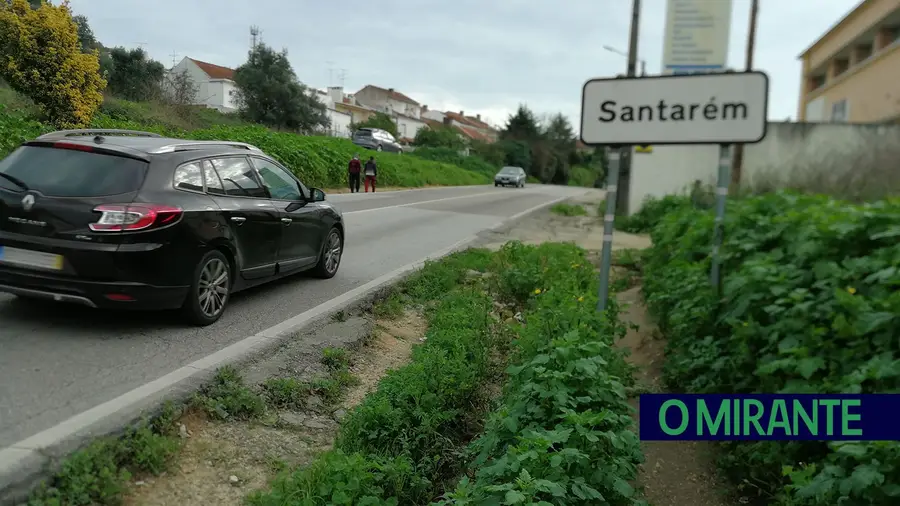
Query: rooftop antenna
pixel 330 64
pixel 174 56
pixel 141 45
pixel 342 76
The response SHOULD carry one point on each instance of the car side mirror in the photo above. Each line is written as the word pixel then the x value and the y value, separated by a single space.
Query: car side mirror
pixel 317 195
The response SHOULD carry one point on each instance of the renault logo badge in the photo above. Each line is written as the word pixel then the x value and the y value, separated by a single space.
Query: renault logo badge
pixel 28 202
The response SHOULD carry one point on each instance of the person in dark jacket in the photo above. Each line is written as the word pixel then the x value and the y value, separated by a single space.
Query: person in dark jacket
pixel 371 172
pixel 354 170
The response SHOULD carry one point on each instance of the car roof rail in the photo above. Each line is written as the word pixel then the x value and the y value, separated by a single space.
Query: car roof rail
pixel 61 134
pixel 185 146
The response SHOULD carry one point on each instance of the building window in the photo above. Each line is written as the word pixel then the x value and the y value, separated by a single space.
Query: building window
pixel 816 82
pixel 841 66
pixel 839 112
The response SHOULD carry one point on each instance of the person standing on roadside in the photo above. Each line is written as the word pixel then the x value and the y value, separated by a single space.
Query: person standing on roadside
pixel 354 170
pixel 371 172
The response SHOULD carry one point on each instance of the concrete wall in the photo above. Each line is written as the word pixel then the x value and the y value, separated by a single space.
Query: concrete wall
pixel 790 152
pixel 817 150
pixel 670 169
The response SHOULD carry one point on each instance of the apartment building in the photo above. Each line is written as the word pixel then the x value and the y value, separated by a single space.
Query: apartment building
pixel 852 73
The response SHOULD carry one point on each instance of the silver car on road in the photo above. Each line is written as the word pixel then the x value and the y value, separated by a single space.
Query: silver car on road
pixel 511 176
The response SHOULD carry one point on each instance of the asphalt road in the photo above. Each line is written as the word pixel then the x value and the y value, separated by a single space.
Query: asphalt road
pixel 58 360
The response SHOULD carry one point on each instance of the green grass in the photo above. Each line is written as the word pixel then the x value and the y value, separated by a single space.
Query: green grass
pixel 565 209
pixel 318 161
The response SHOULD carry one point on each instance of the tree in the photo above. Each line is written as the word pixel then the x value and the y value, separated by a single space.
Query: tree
pixel 521 126
pixel 439 137
pixel 181 90
pixel 43 60
pixel 85 35
pixel 134 75
pixel 377 120
pixel 269 92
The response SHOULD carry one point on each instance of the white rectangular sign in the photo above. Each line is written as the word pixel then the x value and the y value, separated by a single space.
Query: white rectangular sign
pixel 686 109
pixel 696 36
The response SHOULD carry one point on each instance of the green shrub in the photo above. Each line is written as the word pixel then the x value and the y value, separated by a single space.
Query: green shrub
pixel 650 213
pixel 809 305
pixel 453 157
pixel 582 176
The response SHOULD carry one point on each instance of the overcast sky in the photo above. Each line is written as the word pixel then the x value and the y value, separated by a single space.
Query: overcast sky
pixel 479 56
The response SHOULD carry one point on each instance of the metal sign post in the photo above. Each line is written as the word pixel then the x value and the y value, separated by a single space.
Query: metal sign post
pixel 722 184
pixel 722 109
pixel 614 157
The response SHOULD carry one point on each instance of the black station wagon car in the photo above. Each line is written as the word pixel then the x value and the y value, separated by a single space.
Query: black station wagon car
pixel 126 219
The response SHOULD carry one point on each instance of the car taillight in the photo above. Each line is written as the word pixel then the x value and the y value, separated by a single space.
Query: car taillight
pixel 133 217
pixel 73 146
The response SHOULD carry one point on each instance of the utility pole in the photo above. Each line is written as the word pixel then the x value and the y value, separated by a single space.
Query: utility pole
pixel 623 189
pixel 737 166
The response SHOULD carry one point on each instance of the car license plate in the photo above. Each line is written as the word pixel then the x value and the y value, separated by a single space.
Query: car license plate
pixel 28 258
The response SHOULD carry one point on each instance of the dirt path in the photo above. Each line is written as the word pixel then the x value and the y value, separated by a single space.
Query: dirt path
pixel 675 473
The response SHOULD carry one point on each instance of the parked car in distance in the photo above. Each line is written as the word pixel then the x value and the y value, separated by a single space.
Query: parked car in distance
pixel 123 219
pixel 377 139
pixel 511 176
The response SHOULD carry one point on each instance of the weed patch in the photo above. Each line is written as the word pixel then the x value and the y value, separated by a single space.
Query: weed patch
pixel 99 473
pixel 809 305
pixel 228 398
pixel 565 209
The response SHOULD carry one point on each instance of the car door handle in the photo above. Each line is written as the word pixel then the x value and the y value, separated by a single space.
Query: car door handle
pixel 287 221
pixel 238 219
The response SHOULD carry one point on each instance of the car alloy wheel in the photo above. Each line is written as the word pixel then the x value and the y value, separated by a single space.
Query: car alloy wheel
pixel 333 251
pixel 213 288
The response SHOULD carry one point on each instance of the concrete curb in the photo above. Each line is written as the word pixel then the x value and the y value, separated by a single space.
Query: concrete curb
pixel 25 463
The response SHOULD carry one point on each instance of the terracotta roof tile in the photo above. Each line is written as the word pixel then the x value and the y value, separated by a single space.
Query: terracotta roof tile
pixel 214 71
pixel 396 95
pixel 473 134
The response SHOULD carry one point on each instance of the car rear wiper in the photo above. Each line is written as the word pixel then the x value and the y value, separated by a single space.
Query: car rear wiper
pixel 16 181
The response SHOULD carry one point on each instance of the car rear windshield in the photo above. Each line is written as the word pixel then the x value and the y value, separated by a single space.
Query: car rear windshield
pixel 68 173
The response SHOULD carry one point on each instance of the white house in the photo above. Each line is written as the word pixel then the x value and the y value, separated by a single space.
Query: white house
pixel 407 126
pixel 340 121
pixel 406 112
pixel 432 114
pixel 214 83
